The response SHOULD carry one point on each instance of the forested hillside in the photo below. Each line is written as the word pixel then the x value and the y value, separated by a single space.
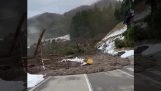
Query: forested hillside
pixel 125 14
pixel 93 24
pixel 61 24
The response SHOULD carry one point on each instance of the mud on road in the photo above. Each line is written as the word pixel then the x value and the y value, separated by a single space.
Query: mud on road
pixel 54 66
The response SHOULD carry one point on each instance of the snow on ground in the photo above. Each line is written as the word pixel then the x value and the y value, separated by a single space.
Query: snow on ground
pixel 65 37
pixel 127 53
pixel 33 80
pixel 116 33
pixel 76 59
pixel 152 49
pixel 61 38
pixel 107 45
pixel 11 85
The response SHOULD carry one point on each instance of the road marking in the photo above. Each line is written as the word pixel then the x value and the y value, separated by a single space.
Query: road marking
pixel 88 83
pixel 125 73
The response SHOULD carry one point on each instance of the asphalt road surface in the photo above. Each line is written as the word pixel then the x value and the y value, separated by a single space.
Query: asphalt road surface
pixel 149 79
pixel 117 80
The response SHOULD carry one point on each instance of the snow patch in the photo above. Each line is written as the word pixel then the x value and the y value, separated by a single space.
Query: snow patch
pixel 61 38
pixel 76 59
pixel 107 45
pixel 116 33
pixel 127 53
pixel 33 80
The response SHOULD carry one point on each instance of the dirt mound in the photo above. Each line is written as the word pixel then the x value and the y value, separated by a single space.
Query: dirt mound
pixel 54 66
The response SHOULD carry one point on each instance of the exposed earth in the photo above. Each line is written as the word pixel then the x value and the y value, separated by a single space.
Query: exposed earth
pixel 54 66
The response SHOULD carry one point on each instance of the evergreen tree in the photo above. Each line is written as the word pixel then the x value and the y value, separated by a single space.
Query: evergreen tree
pixel 92 24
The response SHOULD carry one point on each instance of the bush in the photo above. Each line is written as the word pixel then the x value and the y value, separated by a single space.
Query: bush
pixel 129 39
pixel 69 48
pixel 129 34
pixel 86 25
pixel 64 48
pixel 119 43
pixel 123 43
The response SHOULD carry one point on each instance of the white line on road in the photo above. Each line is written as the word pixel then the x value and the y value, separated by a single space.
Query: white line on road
pixel 88 83
pixel 125 73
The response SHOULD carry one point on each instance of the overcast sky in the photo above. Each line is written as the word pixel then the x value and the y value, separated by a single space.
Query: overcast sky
pixel 36 7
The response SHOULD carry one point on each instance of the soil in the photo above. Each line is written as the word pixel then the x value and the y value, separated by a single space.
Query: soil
pixel 54 66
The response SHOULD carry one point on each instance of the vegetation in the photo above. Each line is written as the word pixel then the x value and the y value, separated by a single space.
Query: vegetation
pixel 66 48
pixel 122 11
pixel 92 25
pixel 120 14
pixel 128 40
pixel 87 28
pixel 119 43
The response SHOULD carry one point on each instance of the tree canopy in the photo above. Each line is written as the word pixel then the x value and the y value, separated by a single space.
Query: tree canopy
pixel 92 24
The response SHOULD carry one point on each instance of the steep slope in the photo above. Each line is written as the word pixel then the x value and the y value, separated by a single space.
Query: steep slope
pixel 100 4
pixel 56 24
pixel 71 13
pixel 44 19
pixel 105 3
pixel 107 44
pixel 53 23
